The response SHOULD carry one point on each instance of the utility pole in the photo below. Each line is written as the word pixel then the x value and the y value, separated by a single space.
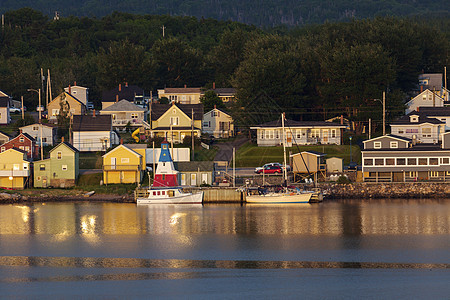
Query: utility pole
pixel 384 113
pixel 23 113
pixel 163 28
pixel 445 83
pixel 192 133
pixel 370 128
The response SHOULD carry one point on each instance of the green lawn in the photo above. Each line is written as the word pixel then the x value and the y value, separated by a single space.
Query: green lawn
pixel 250 155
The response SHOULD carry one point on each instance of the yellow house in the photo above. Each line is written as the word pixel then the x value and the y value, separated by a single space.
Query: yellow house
pixel 174 121
pixel 67 102
pixel 124 164
pixel 14 169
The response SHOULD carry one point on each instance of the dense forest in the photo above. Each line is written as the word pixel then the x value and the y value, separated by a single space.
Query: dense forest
pixel 262 13
pixel 311 72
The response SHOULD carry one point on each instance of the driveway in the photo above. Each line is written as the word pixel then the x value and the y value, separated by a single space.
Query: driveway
pixel 225 152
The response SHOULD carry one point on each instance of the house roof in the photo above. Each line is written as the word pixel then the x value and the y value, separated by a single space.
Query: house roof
pixel 126 148
pixel 136 146
pixel 67 145
pixel 417 147
pixel 92 123
pixel 194 166
pixel 3 94
pixel 225 91
pixel 5 134
pixel 291 123
pixel 315 153
pixel 25 135
pixel 37 124
pixel 123 105
pixel 185 90
pixel 158 109
pixel 175 128
pixel 127 92
pixel 397 137
pixel 435 111
pixel 58 98
pixel 217 110
pixel 426 91
pixel 405 120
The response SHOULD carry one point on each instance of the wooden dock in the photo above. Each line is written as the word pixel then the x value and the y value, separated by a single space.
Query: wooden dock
pixel 210 194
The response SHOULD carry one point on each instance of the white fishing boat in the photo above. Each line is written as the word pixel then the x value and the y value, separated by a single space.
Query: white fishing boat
pixel 286 196
pixel 168 196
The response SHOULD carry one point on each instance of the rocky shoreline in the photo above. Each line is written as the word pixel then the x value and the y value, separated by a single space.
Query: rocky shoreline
pixel 332 191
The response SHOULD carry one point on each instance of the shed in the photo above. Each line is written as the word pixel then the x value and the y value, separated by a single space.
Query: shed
pixel 335 164
pixel 195 173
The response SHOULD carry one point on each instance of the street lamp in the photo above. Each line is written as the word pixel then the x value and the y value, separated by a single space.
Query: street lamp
pixel 40 122
pixel 350 138
pixel 384 111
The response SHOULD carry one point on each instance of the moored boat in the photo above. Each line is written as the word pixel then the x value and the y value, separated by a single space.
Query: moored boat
pixel 293 197
pixel 168 196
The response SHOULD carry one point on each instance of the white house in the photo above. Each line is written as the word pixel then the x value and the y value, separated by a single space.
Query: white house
pixel 440 113
pixel 218 124
pixel 419 128
pixel 123 113
pixel 425 98
pixel 79 92
pixel 300 133
pixel 93 133
pixel 48 133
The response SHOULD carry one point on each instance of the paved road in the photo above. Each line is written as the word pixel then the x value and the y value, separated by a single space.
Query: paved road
pixel 225 152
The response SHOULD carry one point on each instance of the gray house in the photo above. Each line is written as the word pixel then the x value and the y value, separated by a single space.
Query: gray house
pixel 392 158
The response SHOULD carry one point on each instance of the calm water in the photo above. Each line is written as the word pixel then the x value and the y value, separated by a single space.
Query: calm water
pixel 334 250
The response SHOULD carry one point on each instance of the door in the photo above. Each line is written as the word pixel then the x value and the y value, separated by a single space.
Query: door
pixel 193 179
pixel 204 178
pixel 325 136
pixel 183 179
pixel 113 163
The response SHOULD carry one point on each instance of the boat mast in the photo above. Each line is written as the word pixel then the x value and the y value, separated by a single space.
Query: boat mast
pixel 284 150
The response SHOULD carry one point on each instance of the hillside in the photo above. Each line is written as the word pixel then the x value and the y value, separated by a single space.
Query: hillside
pixel 257 12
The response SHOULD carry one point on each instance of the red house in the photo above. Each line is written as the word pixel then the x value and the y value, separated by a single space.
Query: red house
pixel 23 142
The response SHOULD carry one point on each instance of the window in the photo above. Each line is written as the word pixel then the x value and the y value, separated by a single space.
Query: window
pixel 25 166
pixel 413 174
pixel 412 161
pixel 134 115
pixel 277 134
pixel 401 161
pixel 401 130
pixel 379 162
pixel 113 116
pixel 3 149
pixel 64 167
pixel 377 145
pixel 445 161
pixel 298 133
pixel 412 130
pixel 368 162
pixel 333 133
pixel 44 140
pixel 39 178
pixel 55 112
pixel 21 139
pixel 261 134
pixel 426 132
pixel 16 167
pixel 390 161
pixel 423 161
pixel 315 133
pixel 22 148
pixel 125 160
pixel 27 148
pixel 434 174
pixel 59 155
pixel 173 120
pixel 434 161
pixel 394 144
pixel 205 124
pixel 42 168
pixel 35 128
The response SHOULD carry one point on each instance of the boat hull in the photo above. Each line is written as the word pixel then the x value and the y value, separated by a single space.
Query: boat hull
pixel 182 199
pixel 280 198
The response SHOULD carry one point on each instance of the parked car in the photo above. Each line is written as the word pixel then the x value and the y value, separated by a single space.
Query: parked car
pixel 274 169
pixel 14 110
pixel 259 169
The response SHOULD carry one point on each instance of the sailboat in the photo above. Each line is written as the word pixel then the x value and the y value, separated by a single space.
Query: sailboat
pixel 165 188
pixel 286 196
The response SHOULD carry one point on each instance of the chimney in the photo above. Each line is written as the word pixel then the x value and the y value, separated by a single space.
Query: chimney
pixel 70 89
pixel 117 98
pixel 120 87
pixel 215 106
pixel 74 83
pixel 126 84
pixel 214 85
pixel 185 86
pixel 93 113
pixel 62 139
pixel 421 88
pixel 121 141
pixel 342 120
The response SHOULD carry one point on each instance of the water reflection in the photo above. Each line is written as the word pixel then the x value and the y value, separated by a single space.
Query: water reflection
pixel 350 218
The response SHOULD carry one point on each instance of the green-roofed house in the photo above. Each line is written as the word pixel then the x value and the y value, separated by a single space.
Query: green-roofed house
pixel 61 169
